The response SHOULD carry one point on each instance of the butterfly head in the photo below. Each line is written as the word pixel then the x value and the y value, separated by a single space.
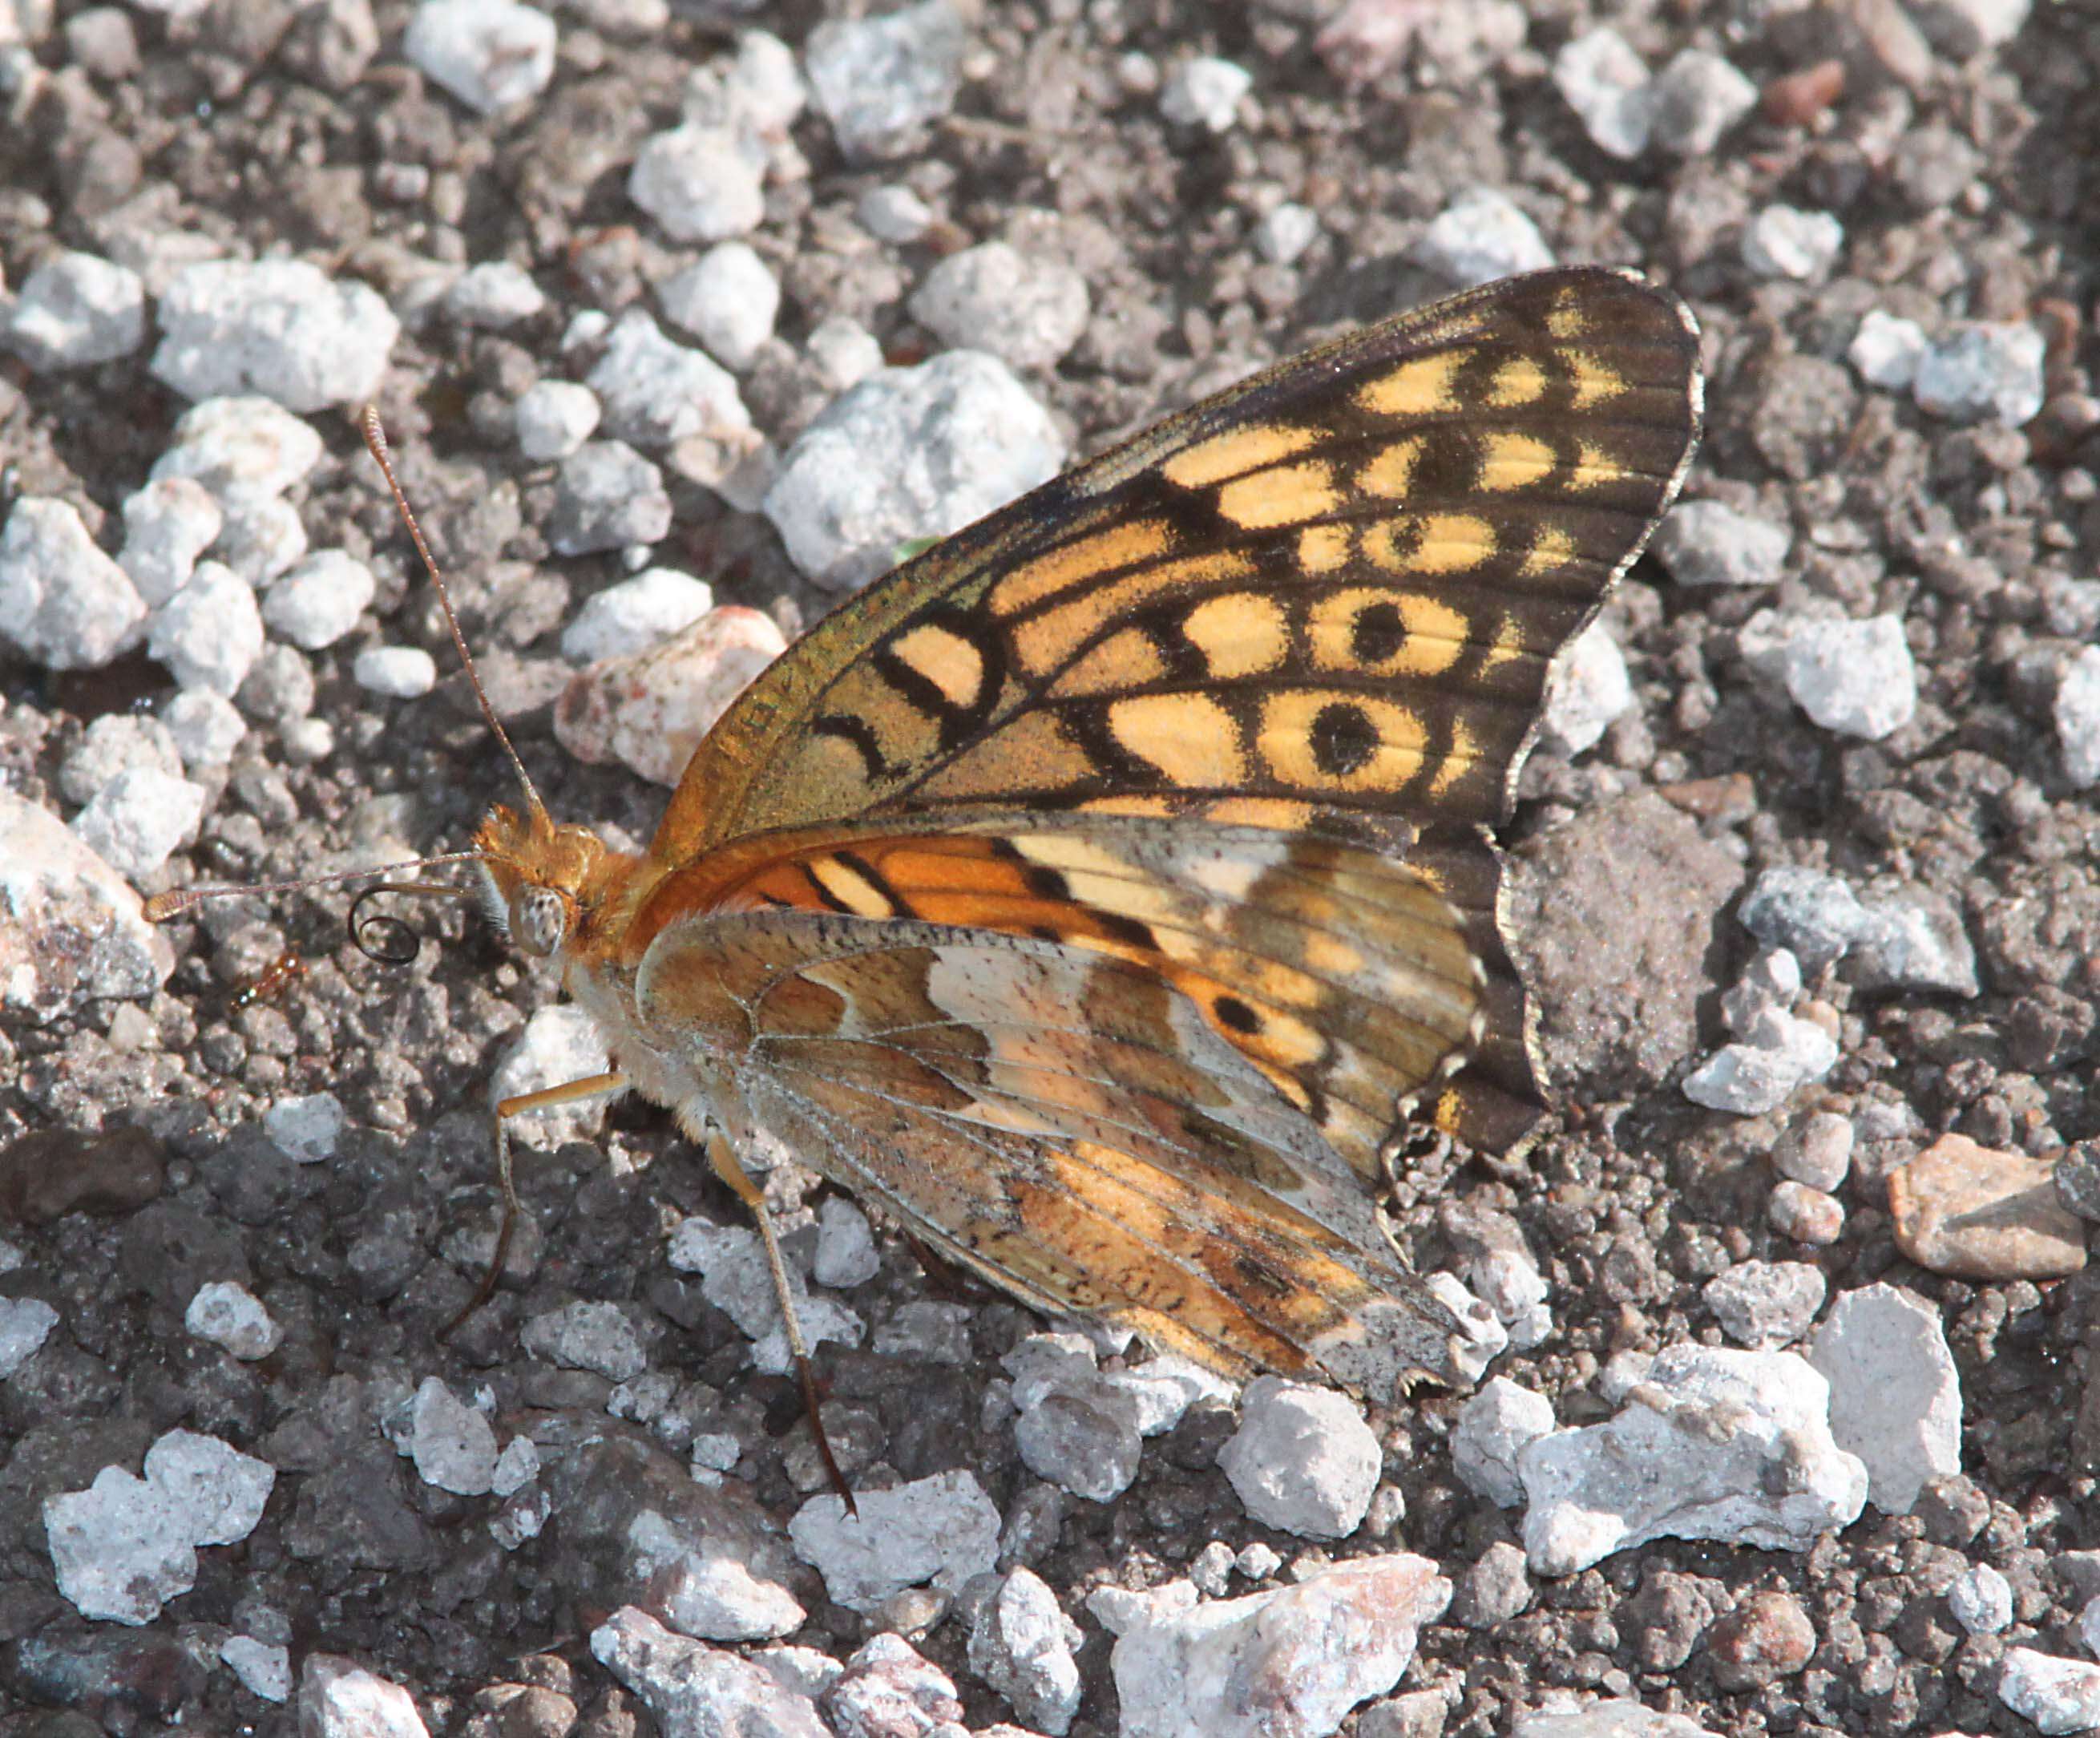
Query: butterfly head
pixel 547 887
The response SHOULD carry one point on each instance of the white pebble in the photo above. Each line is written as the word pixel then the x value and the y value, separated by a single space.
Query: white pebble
pixel 894 214
pixel 240 445
pixel 320 600
pixel 400 672
pixel 1981 1599
pixel 113 743
pixel 728 298
pixel 167 525
pixel 139 819
pixel 306 1128
pixel 636 615
pixel 701 184
pixel 232 1317
pixel 552 418
pixel 1884 351
pixel 282 328
pixel 1806 1215
pixel 75 310
pixel 1782 241
pixel 207 727
pixel 210 633
pixel 493 295
pixel 1205 91
pixel 490 54
pixel 1285 231
pixel 2076 714
pixel 63 601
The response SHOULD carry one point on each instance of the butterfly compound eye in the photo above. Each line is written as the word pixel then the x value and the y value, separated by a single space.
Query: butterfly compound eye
pixel 539 921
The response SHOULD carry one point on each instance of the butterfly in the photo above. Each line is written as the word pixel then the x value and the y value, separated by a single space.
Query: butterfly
pixel 1104 892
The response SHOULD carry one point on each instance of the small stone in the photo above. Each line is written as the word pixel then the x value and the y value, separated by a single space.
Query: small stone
pixel 1816 1153
pixel 1782 241
pixel 1495 1588
pixel 607 497
pixel 1815 916
pixel 1895 1395
pixel 1806 1215
pixel 655 392
pixel 1600 77
pixel 1494 1425
pixel 281 327
pixel 1020 1647
pixel 846 1255
pixel 1917 940
pixel 306 1127
pixel 492 55
pixel 75 310
pixel 736 1278
pixel 340 1699
pixel 320 600
pixel 1966 1211
pixel 728 298
pixel 239 448
pixel 1761 1074
pixel 73 931
pixel 494 295
pixel 1855 677
pixel 2076 714
pixel 1212 1569
pixel 1885 350
pixel 700 183
pixel 167 525
pixel 693 1689
pixel 1284 231
pixel 401 673
pixel 1711 1443
pixel 635 614
pixel 552 418
pixel 452 1444
pixel 1710 542
pixel 63 602
pixel 516 1467
pixel 651 710
pixel 1589 687
pixel 25 1324
pixel 140 819
pixel 1258 1561
pixel 1027 311
pixel 1205 91
pixel 909 453
pixel 210 633
pixel 894 214
pixel 1765 1638
pixel 2060 1695
pixel 1338 1638
pixel 843 352
pixel 589 1336
pixel 1981 1599
pixel 264 1668
pixel 115 743
pixel 1481 235
pixel 883 83
pixel 560 1044
pixel 232 1317
pixel 207 727
pixel 1765 1304
pixel 943 1530
pixel 1303 1459
pixel 1083 1437
pixel 1695 100
pixel 1981 372
pixel 261 541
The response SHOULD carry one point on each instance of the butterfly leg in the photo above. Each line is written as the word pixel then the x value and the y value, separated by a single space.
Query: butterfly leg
pixel 569 1092
pixel 724 1159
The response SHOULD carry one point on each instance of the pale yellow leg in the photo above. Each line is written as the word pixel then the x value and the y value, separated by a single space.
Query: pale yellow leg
pixel 731 1171
pixel 569 1092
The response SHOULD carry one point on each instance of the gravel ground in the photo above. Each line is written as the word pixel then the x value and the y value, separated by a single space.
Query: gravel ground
pixel 1865 657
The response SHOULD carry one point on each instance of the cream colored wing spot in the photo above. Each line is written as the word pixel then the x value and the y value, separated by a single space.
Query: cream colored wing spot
pixel 1436 543
pixel 850 888
pixel 952 664
pixel 1338 740
pixel 1283 495
pixel 1595 467
pixel 1126 659
pixel 1422 386
pixel 1324 549
pixel 1083 558
pixel 1513 461
pixel 1566 319
pixel 1551 551
pixel 1596 380
pixel 1285 814
pixel 1239 633
pixel 1190 738
pixel 1235 452
pixel 1508 645
pixel 1389 473
pixel 1051 637
pixel 1371 631
pixel 1459 758
pixel 1517 382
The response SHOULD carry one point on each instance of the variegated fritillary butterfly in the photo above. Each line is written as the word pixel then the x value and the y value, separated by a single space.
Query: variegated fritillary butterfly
pixel 1103 892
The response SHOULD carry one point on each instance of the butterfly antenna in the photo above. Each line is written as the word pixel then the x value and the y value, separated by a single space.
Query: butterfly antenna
pixel 375 441
pixel 162 906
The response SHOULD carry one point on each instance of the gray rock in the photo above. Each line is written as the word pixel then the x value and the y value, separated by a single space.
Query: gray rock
pixel 883 82
pixel 1895 1395
pixel 1710 542
pixel 1303 1459
pixel 1765 1304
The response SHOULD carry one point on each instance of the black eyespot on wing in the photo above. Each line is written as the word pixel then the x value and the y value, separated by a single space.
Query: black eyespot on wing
pixel 1342 739
pixel 1236 1015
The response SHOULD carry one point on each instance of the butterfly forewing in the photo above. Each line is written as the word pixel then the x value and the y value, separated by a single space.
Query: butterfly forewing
pixel 1338 587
